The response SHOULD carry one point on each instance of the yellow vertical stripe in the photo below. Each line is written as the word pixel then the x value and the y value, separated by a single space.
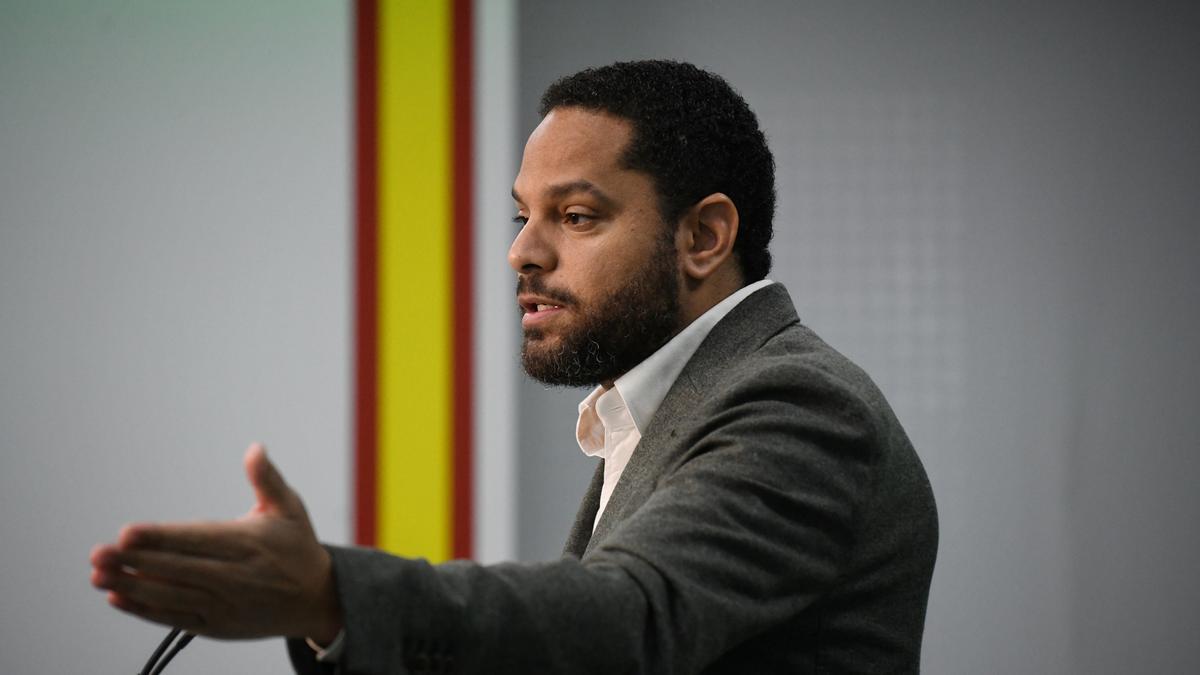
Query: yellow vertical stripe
pixel 414 248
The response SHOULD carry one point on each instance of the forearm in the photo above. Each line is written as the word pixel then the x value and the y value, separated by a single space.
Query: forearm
pixel 552 617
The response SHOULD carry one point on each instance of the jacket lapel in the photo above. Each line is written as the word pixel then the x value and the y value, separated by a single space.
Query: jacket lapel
pixel 747 326
pixel 581 531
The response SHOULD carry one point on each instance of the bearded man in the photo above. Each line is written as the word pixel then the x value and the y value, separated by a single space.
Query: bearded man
pixel 757 507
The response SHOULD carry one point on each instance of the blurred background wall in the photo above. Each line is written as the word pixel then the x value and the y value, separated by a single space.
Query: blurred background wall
pixel 992 207
pixel 174 284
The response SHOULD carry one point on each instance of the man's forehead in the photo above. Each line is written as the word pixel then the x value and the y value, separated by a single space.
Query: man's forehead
pixel 572 151
pixel 581 126
pixel 577 137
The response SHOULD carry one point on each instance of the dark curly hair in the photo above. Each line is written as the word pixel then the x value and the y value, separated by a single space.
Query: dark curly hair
pixel 693 134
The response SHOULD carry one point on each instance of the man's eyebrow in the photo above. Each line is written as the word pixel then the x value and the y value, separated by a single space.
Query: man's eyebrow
pixel 563 189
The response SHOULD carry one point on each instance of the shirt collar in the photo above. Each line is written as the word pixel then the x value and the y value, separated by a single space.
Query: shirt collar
pixel 602 414
pixel 643 388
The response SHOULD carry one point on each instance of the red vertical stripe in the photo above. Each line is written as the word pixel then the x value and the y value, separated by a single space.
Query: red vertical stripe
pixel 463 267
pixel 366 218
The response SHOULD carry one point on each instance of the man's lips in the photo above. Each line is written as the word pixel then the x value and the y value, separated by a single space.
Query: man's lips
pixel 537 309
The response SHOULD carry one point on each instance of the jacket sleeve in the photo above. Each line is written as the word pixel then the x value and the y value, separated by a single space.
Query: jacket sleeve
pixel 750 521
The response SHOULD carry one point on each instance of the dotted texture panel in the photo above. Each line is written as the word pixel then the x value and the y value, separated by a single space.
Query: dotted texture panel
pixel 869 239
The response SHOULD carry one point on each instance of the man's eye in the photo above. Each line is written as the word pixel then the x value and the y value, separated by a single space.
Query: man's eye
pixel 520 220
pixel 576 218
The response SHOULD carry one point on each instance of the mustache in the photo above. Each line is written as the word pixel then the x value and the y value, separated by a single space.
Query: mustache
pixel 537 286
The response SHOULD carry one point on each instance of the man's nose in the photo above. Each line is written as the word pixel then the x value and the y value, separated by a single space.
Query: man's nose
pixel 531 250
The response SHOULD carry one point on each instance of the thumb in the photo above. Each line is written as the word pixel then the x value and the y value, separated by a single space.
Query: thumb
pixel 272 493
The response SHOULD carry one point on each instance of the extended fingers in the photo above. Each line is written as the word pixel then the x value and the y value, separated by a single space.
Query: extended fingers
pixel 149 594
pixel 228 540
pixel 104 556
pixel 193 623
pixel 187 570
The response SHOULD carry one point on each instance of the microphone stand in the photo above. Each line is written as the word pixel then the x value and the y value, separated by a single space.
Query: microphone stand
pixel 154 666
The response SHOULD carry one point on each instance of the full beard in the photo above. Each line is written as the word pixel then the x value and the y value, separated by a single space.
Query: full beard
pixel 615 335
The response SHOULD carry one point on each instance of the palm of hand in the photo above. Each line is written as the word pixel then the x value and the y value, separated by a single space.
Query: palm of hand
pixel 263 574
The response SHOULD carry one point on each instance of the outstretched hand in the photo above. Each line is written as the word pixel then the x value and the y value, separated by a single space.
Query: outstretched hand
pixel 263 574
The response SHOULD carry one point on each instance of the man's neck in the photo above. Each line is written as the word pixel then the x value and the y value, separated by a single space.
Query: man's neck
pixel 696 298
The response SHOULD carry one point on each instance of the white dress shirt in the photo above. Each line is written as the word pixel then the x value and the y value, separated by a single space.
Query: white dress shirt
pixel 611 420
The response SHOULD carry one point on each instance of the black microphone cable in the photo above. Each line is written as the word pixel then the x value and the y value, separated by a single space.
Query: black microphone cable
pixel 154 666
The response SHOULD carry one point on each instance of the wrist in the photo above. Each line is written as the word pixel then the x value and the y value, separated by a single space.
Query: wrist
pixel 327 617
pixel 324 635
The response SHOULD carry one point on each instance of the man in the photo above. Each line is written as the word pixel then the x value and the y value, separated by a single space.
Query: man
pixel 758 507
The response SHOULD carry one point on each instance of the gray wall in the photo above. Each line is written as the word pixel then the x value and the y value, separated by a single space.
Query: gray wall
pixel 173 285
pixel 993 209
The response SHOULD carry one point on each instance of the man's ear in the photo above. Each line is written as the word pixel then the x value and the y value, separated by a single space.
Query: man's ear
pixel 709 231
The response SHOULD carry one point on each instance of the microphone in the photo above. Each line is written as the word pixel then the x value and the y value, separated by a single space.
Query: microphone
pixel 154 666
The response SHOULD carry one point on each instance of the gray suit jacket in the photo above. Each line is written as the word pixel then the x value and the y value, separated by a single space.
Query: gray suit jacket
pixel 774 518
